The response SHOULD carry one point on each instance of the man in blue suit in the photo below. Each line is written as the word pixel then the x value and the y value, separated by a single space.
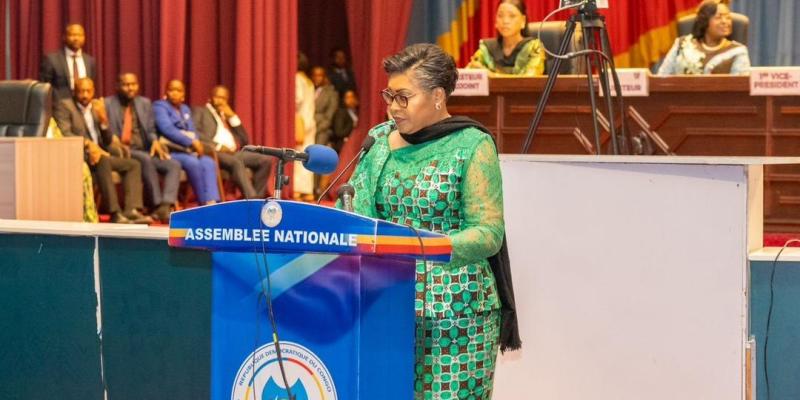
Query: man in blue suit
pixel 174 123
pixel 130 119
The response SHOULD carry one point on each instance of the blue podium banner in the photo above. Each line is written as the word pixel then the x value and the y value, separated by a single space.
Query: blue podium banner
pixel 341 290
pixel 345 325
pixel 287 226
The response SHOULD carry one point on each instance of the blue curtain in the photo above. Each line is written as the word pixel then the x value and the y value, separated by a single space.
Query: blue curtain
pixel 774 36
pixel 431 19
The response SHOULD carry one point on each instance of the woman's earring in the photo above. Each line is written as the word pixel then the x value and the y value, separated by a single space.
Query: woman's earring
pixel 438 106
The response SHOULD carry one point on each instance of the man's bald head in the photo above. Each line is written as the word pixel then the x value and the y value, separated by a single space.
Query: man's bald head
pixel 83 91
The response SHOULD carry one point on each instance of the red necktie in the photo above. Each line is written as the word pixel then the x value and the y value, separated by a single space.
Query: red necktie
pixel 127 126
pixel 75 73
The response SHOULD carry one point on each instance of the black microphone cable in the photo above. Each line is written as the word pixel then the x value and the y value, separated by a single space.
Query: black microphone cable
pixel 769 312
pixel 266 293
pixel 423 325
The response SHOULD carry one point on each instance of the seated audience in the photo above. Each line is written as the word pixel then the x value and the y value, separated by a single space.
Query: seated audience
pixel 176 129
pixel 62 68
pixel 219 125
pixel 131 121
pixel 326 101
pixel 85 117
pixel 707 50
pixel 512 52
pixel 345 119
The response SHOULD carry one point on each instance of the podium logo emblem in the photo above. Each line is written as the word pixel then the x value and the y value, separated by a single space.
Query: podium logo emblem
pixel 271 214
pixel 260 375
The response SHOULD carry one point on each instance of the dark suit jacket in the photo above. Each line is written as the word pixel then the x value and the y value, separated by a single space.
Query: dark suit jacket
pixel 207 127
pixel 342 123
pixel 341 83
pixel 144 113
pixel 325 106
pixel 70 121
pixel 54 70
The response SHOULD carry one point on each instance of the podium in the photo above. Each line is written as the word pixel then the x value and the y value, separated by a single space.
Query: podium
pixel 342 288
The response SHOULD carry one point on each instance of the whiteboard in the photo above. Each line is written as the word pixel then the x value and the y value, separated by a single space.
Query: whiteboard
pixel 630 280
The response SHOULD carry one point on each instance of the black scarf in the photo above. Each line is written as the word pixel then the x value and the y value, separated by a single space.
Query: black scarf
pixel 500 263
pixel 495 47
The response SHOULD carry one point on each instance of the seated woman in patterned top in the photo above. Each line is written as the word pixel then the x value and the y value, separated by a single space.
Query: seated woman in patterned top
pixel 430 170
pixel 513 52
pixel 707 50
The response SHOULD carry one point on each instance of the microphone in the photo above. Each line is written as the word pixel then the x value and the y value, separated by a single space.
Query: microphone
pixel 321 160
pixel 365 146
pixel 345 194
pixel 316 158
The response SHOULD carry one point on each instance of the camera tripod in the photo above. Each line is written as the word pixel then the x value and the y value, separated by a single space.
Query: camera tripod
pixel 597 50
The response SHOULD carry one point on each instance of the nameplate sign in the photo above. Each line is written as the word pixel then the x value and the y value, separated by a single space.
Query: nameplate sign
pixel 635 82
pixel 472 82
pixel 775 81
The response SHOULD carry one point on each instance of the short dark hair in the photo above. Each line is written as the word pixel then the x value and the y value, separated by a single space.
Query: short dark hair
pixel 122 75
pixel 219 87
pixel 336 50
pixel 302 62
pixel 706 11
pixel 71 24
pixel 432 67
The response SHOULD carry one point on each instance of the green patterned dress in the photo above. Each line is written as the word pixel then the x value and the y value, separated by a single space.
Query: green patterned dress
pixel 453 186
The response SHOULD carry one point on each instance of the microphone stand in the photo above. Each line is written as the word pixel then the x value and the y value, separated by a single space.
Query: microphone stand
pixel 281 180
pixel 338 176
pixel 365 147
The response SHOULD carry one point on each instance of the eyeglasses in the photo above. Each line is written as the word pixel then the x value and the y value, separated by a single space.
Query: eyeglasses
pixel 389 96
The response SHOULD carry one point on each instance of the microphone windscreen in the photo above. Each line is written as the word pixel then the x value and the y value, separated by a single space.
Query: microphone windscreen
pixel 368 142
pixel 321 159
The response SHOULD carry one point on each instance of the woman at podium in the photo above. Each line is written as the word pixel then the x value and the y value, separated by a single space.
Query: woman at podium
pixel 707 49
pixel 433 171
pixel 513 52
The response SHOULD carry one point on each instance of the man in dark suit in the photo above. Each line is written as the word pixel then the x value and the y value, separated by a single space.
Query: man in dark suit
pixel 131 121
pixel 326 101
pixel 85 117
pixel 340 74
pixel 62 68
pixel 345 119
pixel 220 127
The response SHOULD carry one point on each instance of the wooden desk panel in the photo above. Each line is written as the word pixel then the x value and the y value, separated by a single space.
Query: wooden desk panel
pixel 701 115
pixel 41 179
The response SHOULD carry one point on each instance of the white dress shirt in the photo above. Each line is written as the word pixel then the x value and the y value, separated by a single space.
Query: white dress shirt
pixel 88 117
pixel 353 116
pixel 224 136
pixel 81 65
